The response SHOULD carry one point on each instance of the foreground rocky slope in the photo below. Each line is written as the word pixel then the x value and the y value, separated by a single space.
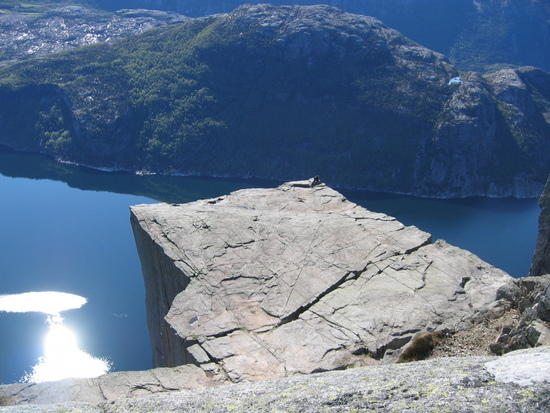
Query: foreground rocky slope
pixel 541 261
pixel 475 34
pixel 266 283
pixel 282 92
pixel 23 36
pixel 309 220
pixel 517 382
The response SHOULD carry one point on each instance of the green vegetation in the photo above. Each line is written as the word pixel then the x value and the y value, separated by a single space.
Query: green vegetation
pixel 203 97
pixel 226 96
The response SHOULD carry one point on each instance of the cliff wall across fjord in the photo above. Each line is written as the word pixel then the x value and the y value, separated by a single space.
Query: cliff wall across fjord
pixel 285 92
pixel 541 260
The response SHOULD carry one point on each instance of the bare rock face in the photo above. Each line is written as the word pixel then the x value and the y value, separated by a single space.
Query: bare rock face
pixel 541 261
pixel 445 163
pixel 109 387
pixel 266 283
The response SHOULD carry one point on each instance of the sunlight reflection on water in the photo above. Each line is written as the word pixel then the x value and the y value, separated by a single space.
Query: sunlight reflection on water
pixel 47 302
pixel 62 356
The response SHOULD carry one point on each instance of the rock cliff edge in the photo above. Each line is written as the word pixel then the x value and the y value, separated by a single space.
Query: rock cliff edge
pixel 266 283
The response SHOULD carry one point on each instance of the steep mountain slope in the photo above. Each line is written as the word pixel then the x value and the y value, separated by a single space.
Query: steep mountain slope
pixel 474 33
pixel 283 93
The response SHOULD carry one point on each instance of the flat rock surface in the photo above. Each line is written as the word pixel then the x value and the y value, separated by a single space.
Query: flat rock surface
pixel 469 384
pixel 297 279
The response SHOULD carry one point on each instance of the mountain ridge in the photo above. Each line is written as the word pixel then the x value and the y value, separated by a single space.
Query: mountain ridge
pixel 474 34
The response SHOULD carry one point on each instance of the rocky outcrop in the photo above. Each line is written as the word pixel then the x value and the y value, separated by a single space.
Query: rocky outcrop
pixel 509 108
pixel 530 296
pixel 517 382
pixel 332 94
pixel 23 35
pixel 541 261
pixel 297 279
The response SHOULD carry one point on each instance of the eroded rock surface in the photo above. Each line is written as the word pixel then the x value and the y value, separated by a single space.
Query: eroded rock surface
pixel 297 279
pixel 517 382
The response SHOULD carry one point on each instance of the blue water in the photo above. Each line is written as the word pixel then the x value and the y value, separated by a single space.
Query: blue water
pixel 66 228
pixel 501 231
pixel 55 238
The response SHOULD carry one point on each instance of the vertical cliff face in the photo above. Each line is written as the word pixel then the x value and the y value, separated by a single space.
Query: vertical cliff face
pixel 163 280
pixel 541 261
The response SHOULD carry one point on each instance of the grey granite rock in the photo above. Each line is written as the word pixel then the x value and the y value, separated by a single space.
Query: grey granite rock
pixel 522 367
pixel 531 298
pixel 297 279
pixel 541 261
pixel 517 382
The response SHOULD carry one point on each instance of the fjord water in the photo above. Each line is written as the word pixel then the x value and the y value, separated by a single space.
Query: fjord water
pixel 66 228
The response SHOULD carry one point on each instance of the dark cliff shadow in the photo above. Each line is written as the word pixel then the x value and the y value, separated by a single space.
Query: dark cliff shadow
pixel 171 189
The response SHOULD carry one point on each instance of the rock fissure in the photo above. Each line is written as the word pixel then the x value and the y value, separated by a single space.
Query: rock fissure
pixel 337 325
pixel 296 314
pixel 101 391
